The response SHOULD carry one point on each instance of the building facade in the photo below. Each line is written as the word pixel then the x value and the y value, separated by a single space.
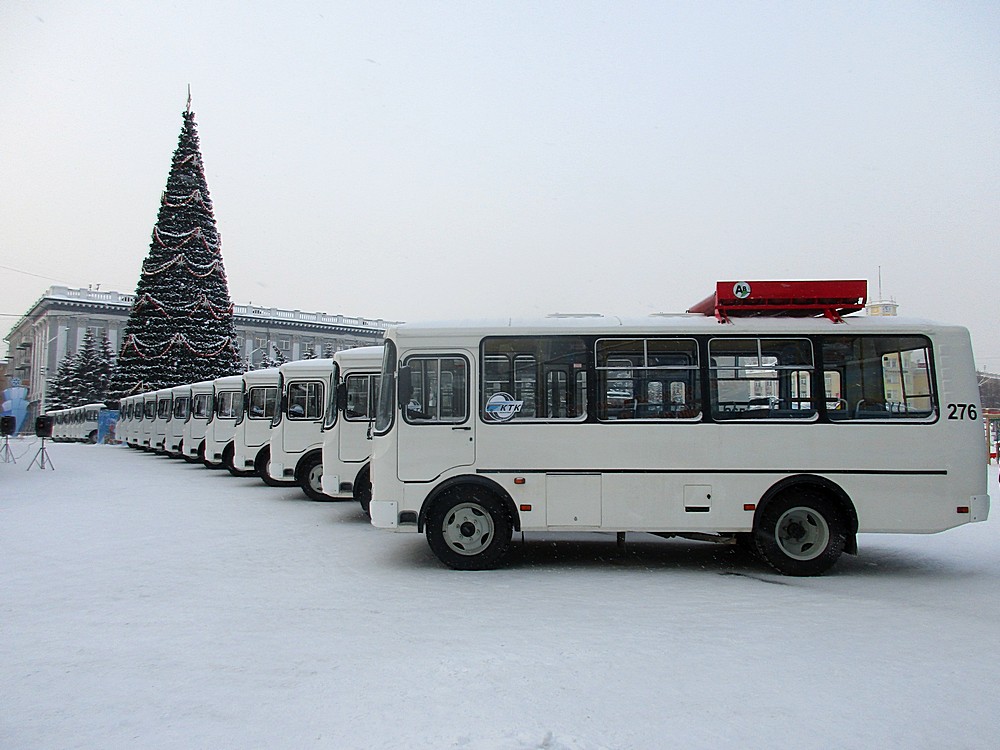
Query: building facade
pixel 56 324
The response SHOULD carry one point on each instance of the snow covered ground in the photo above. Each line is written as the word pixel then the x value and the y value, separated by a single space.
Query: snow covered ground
pixel 149 603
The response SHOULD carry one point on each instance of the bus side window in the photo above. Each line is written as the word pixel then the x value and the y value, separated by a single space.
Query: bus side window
pixel 439 390
pixel 648 379
pixel 879 377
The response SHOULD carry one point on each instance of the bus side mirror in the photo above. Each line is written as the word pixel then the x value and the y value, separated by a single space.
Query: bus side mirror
pixel 342 397
pixel 404 386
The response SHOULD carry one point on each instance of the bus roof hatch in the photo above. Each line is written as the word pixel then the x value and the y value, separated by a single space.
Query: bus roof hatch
pixel 800 299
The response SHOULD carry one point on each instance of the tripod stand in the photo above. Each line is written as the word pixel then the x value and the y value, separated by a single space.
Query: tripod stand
pixel 41 457
pixel 8 454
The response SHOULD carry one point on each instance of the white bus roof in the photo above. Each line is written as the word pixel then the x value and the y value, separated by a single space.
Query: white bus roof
pixel 665 324
pixel 362 356
pixel 228 382
pixel 307 367
pixel 267 375
pixel 202 386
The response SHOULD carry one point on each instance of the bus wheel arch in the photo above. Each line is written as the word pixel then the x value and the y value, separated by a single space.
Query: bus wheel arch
pixel 363 487
pixel 228 461
pixel 802 525
pixel 309 475
pixel 469 527
pixel 262 468
pixel 470 482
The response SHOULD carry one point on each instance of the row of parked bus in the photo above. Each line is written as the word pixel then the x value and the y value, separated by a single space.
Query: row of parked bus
pixel 305 422
pixel 78 424
pixel 767 416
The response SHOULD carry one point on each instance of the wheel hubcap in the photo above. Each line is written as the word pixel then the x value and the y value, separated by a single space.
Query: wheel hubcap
pixel 316 478
pixel 468 529
pixel 802 533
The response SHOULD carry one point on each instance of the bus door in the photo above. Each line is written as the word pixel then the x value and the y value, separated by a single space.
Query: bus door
pixel 358 410
pixel 572 498
pixel 304 404
pixel 436 431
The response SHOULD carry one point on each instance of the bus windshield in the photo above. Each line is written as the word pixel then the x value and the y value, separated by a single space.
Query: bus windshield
pixel 385 409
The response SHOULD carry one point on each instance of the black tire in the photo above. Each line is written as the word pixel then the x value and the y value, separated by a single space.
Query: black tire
pixel 202 457
pixel 469 529
pixel 186 457
pixel 310 478
pixel 363 490
pixel 262 467
pixel 745 544
pixel 801 533
pixel 229 462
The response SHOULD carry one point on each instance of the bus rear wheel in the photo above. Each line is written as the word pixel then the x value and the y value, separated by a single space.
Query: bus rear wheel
pixel 469 530
pixel 801 533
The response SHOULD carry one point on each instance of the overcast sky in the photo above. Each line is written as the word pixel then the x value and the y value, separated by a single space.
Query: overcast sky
pixel 414 160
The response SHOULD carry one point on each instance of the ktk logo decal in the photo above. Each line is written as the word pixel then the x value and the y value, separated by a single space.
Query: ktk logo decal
pixel 502 407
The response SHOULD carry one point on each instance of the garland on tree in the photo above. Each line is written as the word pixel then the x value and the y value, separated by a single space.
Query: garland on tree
pixel 133 344
pixel 198 272
pixel 202 303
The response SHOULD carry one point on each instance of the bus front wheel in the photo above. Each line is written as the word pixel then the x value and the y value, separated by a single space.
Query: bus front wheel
pixel 311 478
pixel 262 465
pixel 228 461
pixel 363 491
pixel 469 530
pixel 801 533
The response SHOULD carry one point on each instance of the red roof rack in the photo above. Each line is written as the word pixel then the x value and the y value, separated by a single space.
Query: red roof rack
pixel 801 299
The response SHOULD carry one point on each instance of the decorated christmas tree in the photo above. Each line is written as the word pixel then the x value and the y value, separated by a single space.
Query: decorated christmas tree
pixel 180 329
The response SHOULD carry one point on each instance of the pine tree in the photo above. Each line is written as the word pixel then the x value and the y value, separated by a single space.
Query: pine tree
pixel 87 382
pixel 59 394
pixel 328 350
pixel 180 329
pixel 309 353
pixel 266 362
pixel 279 357
pixel 106 368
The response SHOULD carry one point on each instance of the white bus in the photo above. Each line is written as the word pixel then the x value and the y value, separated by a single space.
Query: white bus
pixel 199 413
pixel 296 431
pixel 346 429
pixel 148 417
pixel 164 412
pixel 252 436
pixel 124 420
pixel 227 402
pixel 788 434
pixel 61 427
pixel 131 416
pixel 77 424
pixel 180 396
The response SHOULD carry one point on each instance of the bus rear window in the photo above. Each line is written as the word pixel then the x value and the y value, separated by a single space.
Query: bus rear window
pixel 878 378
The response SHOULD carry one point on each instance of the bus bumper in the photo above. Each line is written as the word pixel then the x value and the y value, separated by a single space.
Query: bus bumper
pixel 979 508
pixel 385 514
